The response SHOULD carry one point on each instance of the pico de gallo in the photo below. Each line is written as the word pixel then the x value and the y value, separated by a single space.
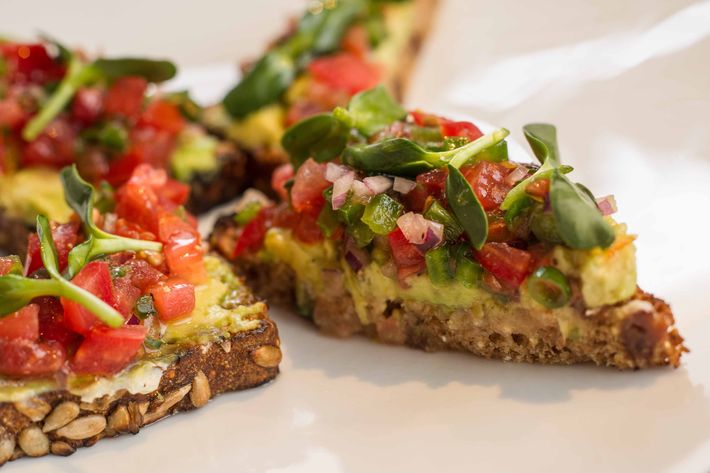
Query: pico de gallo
pixel 93 292
pixel 431 196
pixel 335 50
pixel 58 107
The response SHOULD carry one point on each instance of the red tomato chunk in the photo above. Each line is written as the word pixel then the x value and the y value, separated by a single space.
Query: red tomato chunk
pixel 173 298
pixel 107 351
pixel 26 358
pixel 22 324
pixel 95 278
pixel 510 265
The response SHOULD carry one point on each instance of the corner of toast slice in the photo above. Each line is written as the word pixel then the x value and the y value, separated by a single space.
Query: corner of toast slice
pixel 58 416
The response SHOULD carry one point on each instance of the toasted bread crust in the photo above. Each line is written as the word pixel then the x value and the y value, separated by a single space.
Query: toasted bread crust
pixel 58 422
pixel 424 16
pixel 13 234
pixel 210 189
pixel 636 333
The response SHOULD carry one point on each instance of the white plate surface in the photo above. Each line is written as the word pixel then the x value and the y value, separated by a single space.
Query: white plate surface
pixel 629 87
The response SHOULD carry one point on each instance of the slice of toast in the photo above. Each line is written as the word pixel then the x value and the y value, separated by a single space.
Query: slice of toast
pixel 405 26
pixel 637 333
pixel 108 327
pixel 58 421
pixel 419 230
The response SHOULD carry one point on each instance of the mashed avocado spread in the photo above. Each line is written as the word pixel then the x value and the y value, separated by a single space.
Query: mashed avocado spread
pixel 606 276
pixel 33 191
pixel 214 318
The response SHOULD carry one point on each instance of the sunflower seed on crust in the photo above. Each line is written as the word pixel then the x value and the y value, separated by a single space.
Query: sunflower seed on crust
pixel 83 427
pixel 33 442
pixel 61 416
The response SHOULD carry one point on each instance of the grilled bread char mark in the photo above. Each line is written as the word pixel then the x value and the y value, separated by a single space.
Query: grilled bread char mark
pixel 58 422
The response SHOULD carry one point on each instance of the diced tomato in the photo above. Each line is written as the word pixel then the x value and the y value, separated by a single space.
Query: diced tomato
pixel 163 115
pixel 174 193
pixel 345 71
pixel 52 326
pixel 252 235
pixel 182 247
pixel 95 278
pixel 125 97
pixel 88 104
pixel 152 146
pixel 121 168
pixel 30 63
pixel 408 259
pixel 498 231
pixel 131 230
pixel 279 178
pixel 54 147
pixel 421 118
pixel 434 182
pixel 307 191
pixel 465 129
pixel 107 351
pixel 65 236
pixel 26 358
pixel 488 182
pixel 22 324
pixel 539 188
pixel 509 265
pixel 126 295
pixel 307 229
pixel 142 274
pixel 173 298
pixel 138 204
pixel 12 115
pixel 415 200
pixel 356 41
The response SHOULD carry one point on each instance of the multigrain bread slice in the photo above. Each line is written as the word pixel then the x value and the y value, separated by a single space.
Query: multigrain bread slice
pixel 636 333
pixel 101 334
pixel 419 230
pixel 61 421
pixel 207 190
pixel 404 26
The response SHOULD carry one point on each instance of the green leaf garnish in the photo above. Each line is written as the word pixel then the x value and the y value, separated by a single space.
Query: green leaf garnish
pixel 152 70
pixel 403 157
pixel 578 220
pixel 79 195
pixel 468 210
pixel 319 32
pixel 373 110
pixel 80 73
pixel 19 291
pixel 322 137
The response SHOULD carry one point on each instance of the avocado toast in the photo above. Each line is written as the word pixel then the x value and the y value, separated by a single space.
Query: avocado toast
pixel 58 108
pixel 118 318
pixel 336 49
pixel 415 229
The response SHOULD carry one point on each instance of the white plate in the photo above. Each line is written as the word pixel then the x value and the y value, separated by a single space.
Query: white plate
pixel 628 85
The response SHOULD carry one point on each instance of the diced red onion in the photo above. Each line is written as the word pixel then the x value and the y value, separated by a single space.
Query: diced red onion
pixel 434 236
pixel 378 184
pixel 361 191
pixel 341 187
pixel 607 205
pixel 516 175
pixel 403 186
pixel 420 231
pixel 356 257
pixel 333 172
